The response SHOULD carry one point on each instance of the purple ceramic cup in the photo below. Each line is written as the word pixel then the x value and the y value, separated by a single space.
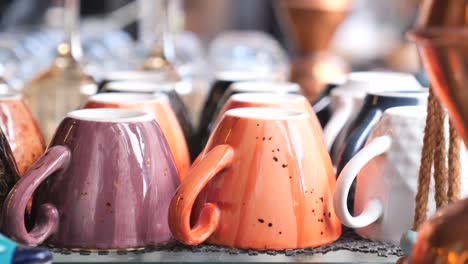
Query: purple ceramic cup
pixel 105 183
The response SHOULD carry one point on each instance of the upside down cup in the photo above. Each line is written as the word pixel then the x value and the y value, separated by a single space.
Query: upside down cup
pixel 265 181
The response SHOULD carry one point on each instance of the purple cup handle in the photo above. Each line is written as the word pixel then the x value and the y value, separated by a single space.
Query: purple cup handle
pixel 56 158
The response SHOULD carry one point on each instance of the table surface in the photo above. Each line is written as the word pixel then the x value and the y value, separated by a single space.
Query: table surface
pixel 340 256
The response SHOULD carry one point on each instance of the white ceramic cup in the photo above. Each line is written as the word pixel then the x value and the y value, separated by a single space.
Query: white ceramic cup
pixel 347 99
pixel 387 171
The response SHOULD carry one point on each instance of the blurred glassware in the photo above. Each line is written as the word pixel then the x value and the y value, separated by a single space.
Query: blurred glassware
pixel 62 87
pixel 161 53
pixel 193 69
pixel 373 33
pixel 249 51
pixel 178 56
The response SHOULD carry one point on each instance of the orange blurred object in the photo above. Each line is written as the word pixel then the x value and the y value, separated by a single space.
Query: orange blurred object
pixel 444 238
pixel 21 130
pixel 441 35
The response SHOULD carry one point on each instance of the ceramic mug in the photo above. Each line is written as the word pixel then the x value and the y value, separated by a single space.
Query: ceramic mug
pixel 105 183
pixel 375 103
pixel 175 101
pixel 271 100
pixel 21 130
pixel 246 87
pixel 347 99
pixel 158 106
pixel 281 87
pixel 377 79
pixel 387 170
pixel 223 80
pixel 263 182
pixel 128 76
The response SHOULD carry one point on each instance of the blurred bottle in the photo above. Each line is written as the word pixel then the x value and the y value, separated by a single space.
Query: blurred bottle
pixel 58 90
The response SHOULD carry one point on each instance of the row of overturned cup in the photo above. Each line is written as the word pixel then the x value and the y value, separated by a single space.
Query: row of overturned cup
pixel 114 179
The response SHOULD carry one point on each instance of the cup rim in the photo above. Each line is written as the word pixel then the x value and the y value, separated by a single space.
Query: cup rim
pixel 131 76
pixel 419 93
pixel 266 97
pixel 407 111
pixel 126 98
pixel 265 113
pixel 265 86
pixel 139 86
pixel 363 82
pixel 10 96
pixel 110 115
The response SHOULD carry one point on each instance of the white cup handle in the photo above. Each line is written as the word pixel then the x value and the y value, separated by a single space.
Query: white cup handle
pixel 336 124
pixel 374 208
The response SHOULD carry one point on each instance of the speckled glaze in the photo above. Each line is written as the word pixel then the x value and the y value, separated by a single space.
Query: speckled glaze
pixel 101 185
pixel 271 100
pixel 157 105
pixel 263 183
pixel 21 130
pixel 237 88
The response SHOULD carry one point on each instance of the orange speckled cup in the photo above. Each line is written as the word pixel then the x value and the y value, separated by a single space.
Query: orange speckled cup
pixel 275 100
pixel 158 106
pixel 264 181
pixel 21 130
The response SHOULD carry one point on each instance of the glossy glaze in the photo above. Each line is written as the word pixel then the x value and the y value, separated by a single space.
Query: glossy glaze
pixel 284 101
pixel 157 106
pixel 243 87
pixel 372 110
pixel 223 80
pixel 386 172
pixel 21 130
pixel 263 183
pixel 150 86
pixel 111 188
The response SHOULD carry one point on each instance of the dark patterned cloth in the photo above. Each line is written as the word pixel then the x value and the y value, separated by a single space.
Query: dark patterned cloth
pixel 348 241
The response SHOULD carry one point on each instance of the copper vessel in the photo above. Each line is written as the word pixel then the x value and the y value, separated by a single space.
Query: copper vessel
pixel 311 26
pixel 442 39
pixel 443 239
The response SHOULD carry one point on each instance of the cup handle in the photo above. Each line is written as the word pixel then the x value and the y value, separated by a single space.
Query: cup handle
pixel 336 124
pixel 56 158
pixel 359 131
pixel 219 158
pixel 374 208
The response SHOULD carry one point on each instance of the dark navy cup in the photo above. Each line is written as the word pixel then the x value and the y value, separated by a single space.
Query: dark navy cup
pixel 375 103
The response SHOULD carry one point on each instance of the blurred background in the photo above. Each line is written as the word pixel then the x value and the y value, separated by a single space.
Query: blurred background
pixel 312 42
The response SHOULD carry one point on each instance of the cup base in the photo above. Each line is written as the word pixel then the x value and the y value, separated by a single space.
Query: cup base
pixel 313 244
pixel 110 250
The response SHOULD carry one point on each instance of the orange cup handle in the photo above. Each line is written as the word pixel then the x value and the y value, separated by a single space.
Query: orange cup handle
pixel 219 158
